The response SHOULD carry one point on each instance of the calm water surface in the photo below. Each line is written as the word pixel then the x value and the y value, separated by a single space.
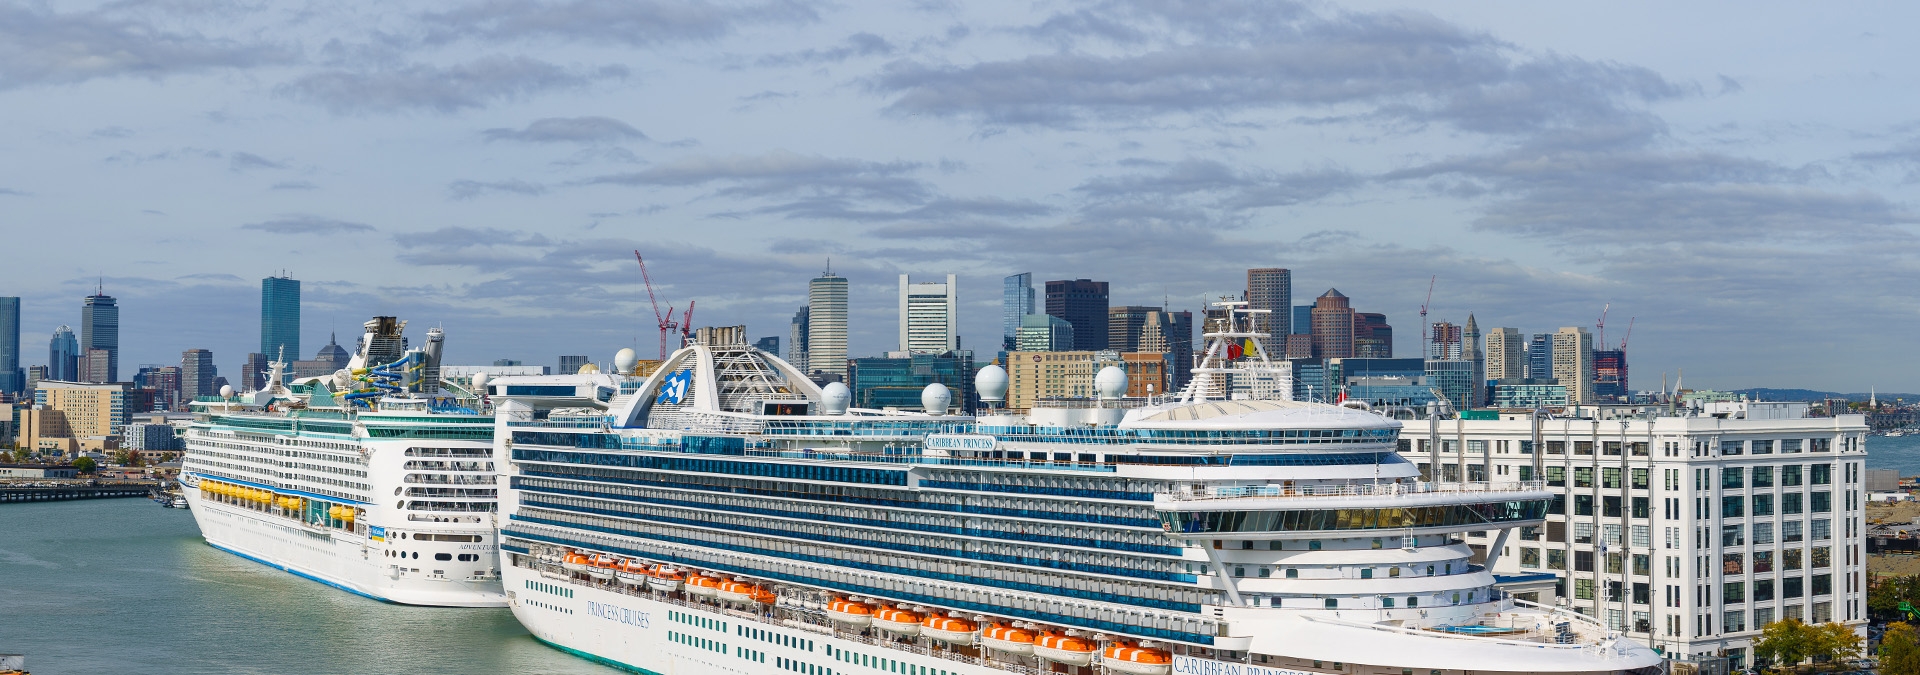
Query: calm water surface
pixel 1901 453
pixel 125 586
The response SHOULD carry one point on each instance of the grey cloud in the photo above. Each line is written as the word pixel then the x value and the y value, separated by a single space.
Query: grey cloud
pixel 784 172
pixel 38 46
pixel 294 185
pixel 569 130
pixel 1700 213
pixel 638 23
pixel 12 192
pixel 247 161
pixel 461 238
pixel 1228 187
pixel 469 189
pixel 858 44
pixel 944 211
pixel 449 89
pixel 307 224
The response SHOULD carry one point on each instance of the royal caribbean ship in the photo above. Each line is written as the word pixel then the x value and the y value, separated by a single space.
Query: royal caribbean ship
pixel 728 515
pixel 374 479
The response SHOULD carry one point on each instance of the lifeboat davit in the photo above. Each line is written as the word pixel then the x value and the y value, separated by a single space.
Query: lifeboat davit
pixel 702 585
pixel 849 612
pixel 1137 660
pixel 574 562
pixel 743 592
pixel 665 579
pixel 1059 647
pixel 631 573
pixel 1007 639
pixel 897 621
pixel 601 568
pixel 949 629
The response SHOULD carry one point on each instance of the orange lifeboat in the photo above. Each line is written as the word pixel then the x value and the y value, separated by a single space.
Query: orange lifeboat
pixel 1064 647
pixel 665 579
pixel 602 567
pixel 575 562
pixel 849 612
pixel 1137 660
pixel 631 573
pixel 897 621
pixel 702 585
pixel 1007 639
pixel 949 629
pixel 743 592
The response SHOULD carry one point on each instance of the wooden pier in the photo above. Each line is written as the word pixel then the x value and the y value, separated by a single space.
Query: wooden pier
pixel 43 492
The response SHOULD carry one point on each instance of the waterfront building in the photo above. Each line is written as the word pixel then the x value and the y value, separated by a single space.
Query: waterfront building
pixel 1458 380
pixel 100 329
pixel 1016 300
pixel 91 410
pixel 149 439
pixel 12 377
pixel 827 325
pixel 279 321
pixel 797 333
pixel 1372 337
pixel 1126 325
pixel 197 375
pixel 95 365
pixel 1573 363
pixel 1083 303
pixel 1506 355
pixel 1529 393
pixel 1687 533
pixel 897 382
pixel 63 356
pixel 1044 333
pixel 929 316
pixel 1299 346
pixel 1540 356
pixel 164 382
pixel 1384 384
pixel 1271 289
pixel 507 362
pixel 1610 375
pixel 1332 326
pixel 769 344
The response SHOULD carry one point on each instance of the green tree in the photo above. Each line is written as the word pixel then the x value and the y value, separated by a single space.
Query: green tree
pixel 1900 650
pixel 1884 595
pixel 1785 643
pixel 120 457
pixel 1835 642
pixel 84 464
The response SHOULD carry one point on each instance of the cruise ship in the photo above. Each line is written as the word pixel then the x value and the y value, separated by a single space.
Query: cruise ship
pixel 375 479
pixel 728 515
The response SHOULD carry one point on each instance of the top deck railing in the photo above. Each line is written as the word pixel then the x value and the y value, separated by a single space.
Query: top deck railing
pixel 1381 489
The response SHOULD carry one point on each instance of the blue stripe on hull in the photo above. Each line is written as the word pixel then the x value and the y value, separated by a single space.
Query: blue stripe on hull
pixel 596 658
pixel 303 575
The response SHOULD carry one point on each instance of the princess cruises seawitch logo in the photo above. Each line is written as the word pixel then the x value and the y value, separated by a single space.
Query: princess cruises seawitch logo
pixel 675 386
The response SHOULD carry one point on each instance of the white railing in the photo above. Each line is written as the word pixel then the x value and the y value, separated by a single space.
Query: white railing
pixel 1354 490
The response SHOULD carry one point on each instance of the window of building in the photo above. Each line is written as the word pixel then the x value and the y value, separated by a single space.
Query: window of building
pixel 1790 446
pixel 1583 589
pixel 1610 506
pixel 1615 565
pixel 1790 504
pixel 1823 584
pixel 1529 557
pixel 1642 564
pixel 1642 535
pixel 1556 447
pixel 1790 475
pixel 1583 533
pixel 1556 476
pixel 1822 557
pixel 1820 474
pixel 1822 612
pixel 1583 505
pixel 1730 447
pixel 1734 621
pixel 1640 479
pixel 1762 590
pixel 1822 529
pixel 1762 505
pixel 1583 561
pixel 1610 478
pixel 1733 591
pixel 1733 563
pixel 1639 448
pixel 1610 534
pixel 1733 506
pixel 1790 559
pixel 1642 507
pixel 1556 559
pixel 1763 447
pixel 1731 477
pixel 1530 533
pixel 1822 502
pixel 1792 587
pixel 1611 448
pixel 1762 532
pixel 1763 476
pixel 1733 535
pixel 1583 447
pixel 1583 476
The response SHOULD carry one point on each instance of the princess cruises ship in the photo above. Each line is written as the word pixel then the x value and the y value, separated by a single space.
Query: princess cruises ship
pixel 728 515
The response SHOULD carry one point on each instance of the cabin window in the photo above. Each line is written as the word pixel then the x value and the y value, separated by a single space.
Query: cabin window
pixel 1366 573
pixel 443 556
pixel 1293 573
pixel 1313 545
pixel 1393 572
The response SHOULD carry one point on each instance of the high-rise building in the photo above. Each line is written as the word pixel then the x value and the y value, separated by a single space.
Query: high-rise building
pixel 897 382
pixel 95 365
pixel 1506 355
pixel 1302 320
pixel 1043 333
pixel 1540 356
pixel 1470 340
pixel 572 363
pixel 36 375
pixel 797 340
pixel 1457 379
pixel 1372 337
pixel 1444 343
pixel 929 316
pixel 100 329
pixel 12 378
pixel 1610 375
pixel 164 382
pixel 1037 376
pixel 63 356
pixel 332 357
pixel 1159 332
pixel 1271 289
pixel 1083 303
pixel 197 375
pixel 253 372
pixel 279 318
pixel 827 325
pixel 87 414
pixel 1125 324
pixel 1016 300
pixel 769 344
pixel 1332 326
pixel 1573 363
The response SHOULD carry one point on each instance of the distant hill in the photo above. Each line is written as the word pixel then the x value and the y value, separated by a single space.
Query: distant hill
pixel 1770 394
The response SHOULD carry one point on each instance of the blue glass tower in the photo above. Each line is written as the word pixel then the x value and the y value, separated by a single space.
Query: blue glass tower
pixel 1540 356
pixel 63 356
pixel 1016 300
pixel 12 378
pixel 100 329
pixel 280 318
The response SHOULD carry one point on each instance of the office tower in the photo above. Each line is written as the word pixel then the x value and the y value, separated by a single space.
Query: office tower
pixel 1372 337
pixel 91 412
pixel 196 376
pixel 769 344
pixel 797 340
pixel 1034 376
pixel 1332 326
pixel 280 318
pixel 1083 303
pixel 1043 333
pixel 1271 289
pixel 1610 374
pixel 1506 355
pixel 1470 340
pixel 100 329
pixel 929 316
pixel 1540 357
pixel 1125 326
pixel 253 372
pixel 1166 333
pixel 1016 300
pixel 36 375
pixel 63 356
pixel 165 383
pixel 1445 341
pixel 827 325
pixel 1573 363
pixel 12 378
pixel 94 365
pixel 332 357
pixel 572 363
pixel 1302 320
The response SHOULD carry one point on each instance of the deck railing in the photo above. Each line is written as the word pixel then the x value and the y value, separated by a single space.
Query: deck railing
pixel 1384 489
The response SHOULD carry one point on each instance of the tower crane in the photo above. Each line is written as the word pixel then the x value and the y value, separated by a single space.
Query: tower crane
pixel 667 325
pixel 1623 341
pixel 1425 329
pixel 1601 325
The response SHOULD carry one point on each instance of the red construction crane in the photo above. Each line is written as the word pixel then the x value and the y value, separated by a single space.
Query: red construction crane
pixel 686 323
pixel 667 326
pixel 1601 325
pixel 1623 341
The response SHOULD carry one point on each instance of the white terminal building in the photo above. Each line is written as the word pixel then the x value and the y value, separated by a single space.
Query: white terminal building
pixel 1689 531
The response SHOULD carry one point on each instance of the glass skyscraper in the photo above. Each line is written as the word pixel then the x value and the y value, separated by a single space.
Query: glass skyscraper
pixel 280 318
pixel 12 378
pixel 827 325
pixel 1540 356
pixel 63 356
pixel 1016 300
pixel 100 329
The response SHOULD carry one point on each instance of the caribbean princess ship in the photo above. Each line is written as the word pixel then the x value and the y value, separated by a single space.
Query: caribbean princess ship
pixel 728 515
pixel 372 479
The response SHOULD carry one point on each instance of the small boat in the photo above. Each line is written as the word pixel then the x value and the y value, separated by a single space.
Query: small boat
pixel 743 593
pixel 897 621
pixel 1064 647
pixel 601 568
pixel 665 579
pixel 949 629
pixel 1137 660
pixel 702 586
pixel 849 612
pixel 631 573
pixel 179 502
pixel 575 562
pixel 1007 639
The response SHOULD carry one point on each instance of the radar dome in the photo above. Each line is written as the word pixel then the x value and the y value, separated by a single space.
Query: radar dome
pixel 1110 383
pixel 480 383
pixel 226 391
pixel 588 369
pixel 624 359
pixel 991 382
pixel 835 397
pixel 935 399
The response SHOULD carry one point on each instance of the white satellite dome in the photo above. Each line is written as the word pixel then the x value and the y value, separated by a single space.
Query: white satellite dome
pixel 935 399
pixel 991 382
pixel 1110 383
pixel 480 383
pixel 624 359
pixel 226 391
pixel 834 398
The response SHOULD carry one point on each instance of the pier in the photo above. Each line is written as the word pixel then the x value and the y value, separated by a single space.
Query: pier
pixel 47 491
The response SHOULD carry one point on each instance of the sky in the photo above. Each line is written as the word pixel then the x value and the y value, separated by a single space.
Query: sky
pixel 1740 176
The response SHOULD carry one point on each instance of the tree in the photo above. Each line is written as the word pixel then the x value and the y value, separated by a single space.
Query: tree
pixel 1785 643
pixel 1835 642
pixel 1900 650
pixel 122 458
pixel 84 464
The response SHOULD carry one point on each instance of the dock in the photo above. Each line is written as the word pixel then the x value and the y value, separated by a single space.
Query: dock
pixel 49 491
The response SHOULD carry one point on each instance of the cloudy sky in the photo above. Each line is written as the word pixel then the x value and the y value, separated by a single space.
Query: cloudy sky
pixel 1737 180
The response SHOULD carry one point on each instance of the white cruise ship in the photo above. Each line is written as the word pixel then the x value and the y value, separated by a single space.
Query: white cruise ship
pixel 730 516
pixel 371 480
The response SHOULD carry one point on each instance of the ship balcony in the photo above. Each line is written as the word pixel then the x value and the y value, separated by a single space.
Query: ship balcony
pixel 1347 495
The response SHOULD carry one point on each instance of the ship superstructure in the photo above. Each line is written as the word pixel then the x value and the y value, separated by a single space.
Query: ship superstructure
pixel 729 513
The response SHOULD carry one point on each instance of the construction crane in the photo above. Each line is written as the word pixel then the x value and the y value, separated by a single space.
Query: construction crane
pixel 1601 326
pixel 1425 329
pixel 667 325
pixel 1623 341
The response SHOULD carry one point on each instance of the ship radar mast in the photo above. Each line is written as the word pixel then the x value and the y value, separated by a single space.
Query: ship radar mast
pixel 1231 340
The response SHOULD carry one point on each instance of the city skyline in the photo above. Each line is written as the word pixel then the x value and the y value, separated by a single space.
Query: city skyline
pixel 1542 161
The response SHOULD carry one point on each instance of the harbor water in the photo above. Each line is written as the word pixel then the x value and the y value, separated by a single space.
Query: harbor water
pixel 125 586
pixel 1895 452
